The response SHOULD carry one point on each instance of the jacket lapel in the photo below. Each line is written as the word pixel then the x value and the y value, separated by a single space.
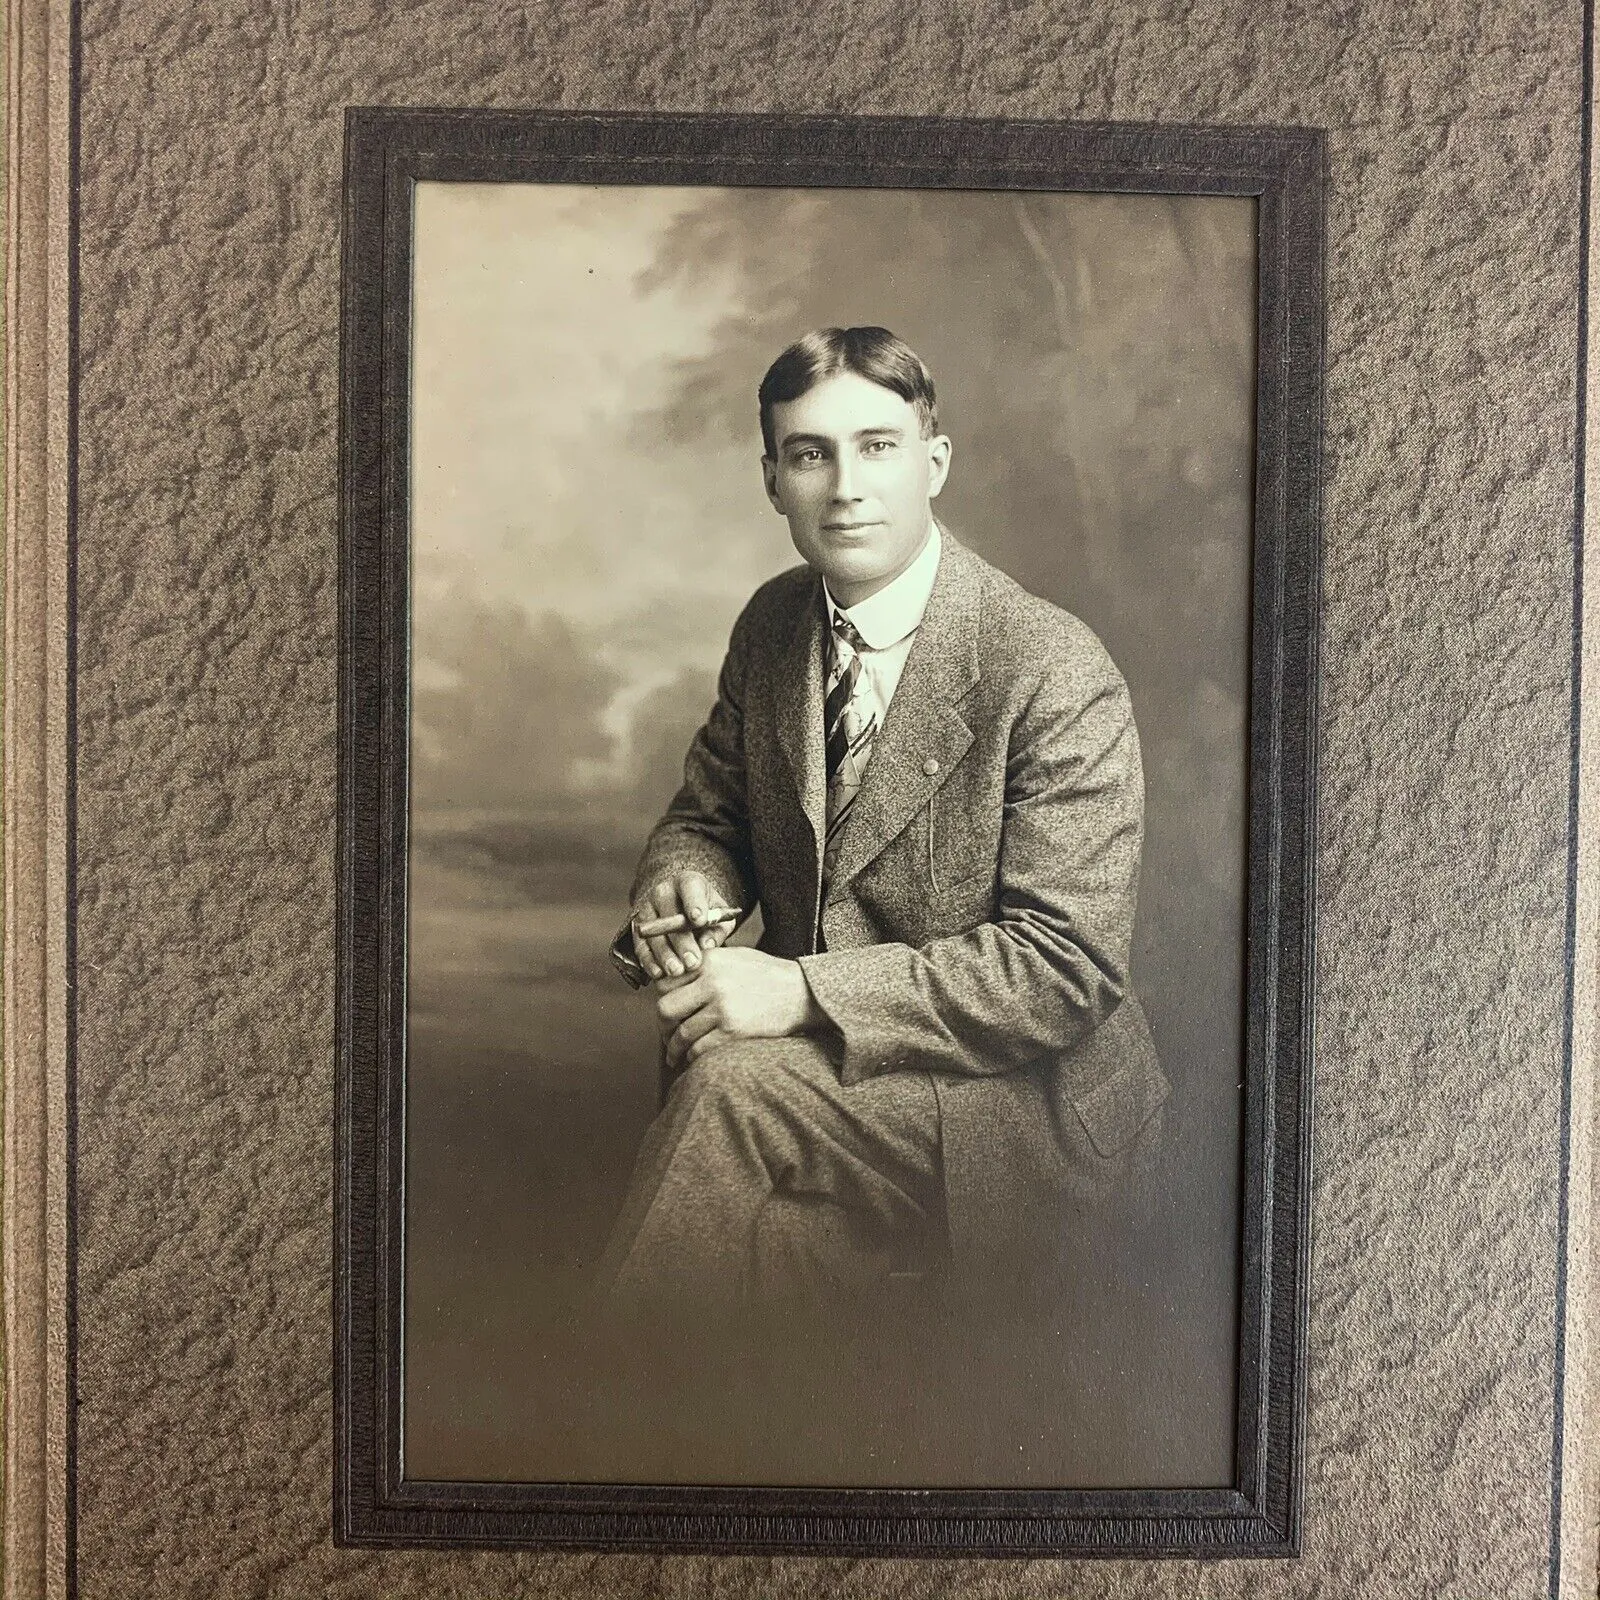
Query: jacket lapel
pixel 798 715
pixel 924 735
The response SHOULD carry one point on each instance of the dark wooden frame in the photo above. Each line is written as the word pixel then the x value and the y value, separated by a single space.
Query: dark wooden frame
pixel 386 152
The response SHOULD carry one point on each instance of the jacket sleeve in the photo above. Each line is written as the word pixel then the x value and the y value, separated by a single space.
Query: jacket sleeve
pixel 706 826
pixel 1052 963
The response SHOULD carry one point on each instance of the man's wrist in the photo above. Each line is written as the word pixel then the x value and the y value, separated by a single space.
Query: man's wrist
pixel 809 1015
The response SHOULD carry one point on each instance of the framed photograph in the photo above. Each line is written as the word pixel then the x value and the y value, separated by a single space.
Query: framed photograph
pixel 828 690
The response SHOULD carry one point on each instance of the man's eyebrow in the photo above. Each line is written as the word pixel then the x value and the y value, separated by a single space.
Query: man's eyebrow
pixel 888 430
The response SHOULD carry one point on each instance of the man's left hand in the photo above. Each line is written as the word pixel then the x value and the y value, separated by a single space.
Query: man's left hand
pixel 738 993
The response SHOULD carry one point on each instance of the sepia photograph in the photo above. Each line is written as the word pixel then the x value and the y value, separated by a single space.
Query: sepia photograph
pixel 901 679
pixel 826 742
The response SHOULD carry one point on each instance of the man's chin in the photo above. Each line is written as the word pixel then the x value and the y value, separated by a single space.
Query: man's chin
pixel 849 561
pixel 852 567
pixel 850 585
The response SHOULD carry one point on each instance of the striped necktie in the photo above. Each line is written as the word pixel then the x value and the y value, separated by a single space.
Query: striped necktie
pixel 850 722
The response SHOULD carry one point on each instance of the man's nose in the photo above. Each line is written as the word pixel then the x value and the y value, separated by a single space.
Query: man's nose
pixel 844 477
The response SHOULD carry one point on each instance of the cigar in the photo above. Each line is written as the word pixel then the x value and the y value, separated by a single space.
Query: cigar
pixel 678 923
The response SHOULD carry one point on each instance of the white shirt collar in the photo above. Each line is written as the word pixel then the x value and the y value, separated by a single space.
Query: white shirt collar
pixel 887 617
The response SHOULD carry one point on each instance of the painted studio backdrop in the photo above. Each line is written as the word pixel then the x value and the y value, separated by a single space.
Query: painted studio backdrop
pixel 587 520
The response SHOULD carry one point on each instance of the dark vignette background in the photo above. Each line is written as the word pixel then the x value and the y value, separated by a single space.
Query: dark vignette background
pixel 211 154
pixel 587 518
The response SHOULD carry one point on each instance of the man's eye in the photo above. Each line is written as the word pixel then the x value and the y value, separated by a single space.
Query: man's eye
pixel 879 446
pixel 804 458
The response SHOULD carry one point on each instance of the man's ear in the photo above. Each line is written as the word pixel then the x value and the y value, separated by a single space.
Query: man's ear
pixel 769 479
pixel 938 463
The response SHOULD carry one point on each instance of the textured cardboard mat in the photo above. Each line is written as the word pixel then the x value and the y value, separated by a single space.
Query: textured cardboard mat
pixel 211 144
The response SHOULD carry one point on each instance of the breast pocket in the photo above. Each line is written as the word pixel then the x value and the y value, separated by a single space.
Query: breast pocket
pixel 961 840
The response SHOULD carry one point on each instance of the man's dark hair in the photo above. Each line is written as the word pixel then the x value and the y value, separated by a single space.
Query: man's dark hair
pixel 871 353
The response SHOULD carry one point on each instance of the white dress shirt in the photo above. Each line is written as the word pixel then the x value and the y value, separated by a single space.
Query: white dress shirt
pixel 888 621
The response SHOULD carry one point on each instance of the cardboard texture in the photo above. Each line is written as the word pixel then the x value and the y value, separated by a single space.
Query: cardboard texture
pixel 34 1208
pixel 206 562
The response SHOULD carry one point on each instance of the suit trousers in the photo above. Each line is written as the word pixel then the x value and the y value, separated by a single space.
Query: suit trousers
pixel 763 1179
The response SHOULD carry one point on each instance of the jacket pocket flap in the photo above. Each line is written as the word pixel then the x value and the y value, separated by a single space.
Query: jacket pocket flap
pixel 1113 1113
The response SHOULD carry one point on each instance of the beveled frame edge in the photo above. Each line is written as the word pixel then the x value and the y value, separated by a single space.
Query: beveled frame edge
pixel 1575 1465
pixel 40 391
pixel 386 151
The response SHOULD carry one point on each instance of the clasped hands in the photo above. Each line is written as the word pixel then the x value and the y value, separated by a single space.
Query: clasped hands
pixel 706 995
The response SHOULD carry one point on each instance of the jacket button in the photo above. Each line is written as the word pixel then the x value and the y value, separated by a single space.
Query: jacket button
pixel 930 766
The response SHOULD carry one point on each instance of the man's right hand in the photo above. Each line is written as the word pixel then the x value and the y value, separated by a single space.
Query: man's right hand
pixel 670 955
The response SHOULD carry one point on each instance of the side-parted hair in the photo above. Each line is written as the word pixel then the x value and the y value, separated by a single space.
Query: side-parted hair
pixel 871 353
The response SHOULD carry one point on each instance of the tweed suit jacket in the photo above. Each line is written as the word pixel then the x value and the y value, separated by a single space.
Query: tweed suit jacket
pixel 978 920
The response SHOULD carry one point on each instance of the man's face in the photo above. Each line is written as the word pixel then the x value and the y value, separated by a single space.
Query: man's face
pixel 854 477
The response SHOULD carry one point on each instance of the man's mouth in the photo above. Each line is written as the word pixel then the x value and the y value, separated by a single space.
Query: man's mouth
pixel 846 527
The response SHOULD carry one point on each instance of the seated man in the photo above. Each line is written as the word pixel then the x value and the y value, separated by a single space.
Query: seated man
pixel 928 780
